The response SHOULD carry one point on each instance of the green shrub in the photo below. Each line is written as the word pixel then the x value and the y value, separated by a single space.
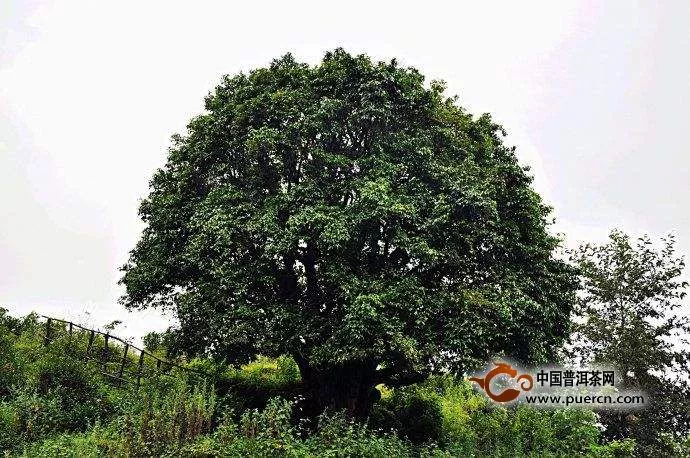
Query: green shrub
pixel 338 436
pixel 84 445
pixel 160 421
pixel 78 388
pixel 9 323
pixel 11 367
pixel 261 433
pixel 33 415
pixel 250 386
pixel 267 373
pixel 413 411
pixel 168 419
pixel 269 433
pixel 448 412
pixel 616 449
pixel 37 416
pixel 10 427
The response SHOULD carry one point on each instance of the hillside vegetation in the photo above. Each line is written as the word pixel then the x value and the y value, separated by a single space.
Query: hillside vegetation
pixel 55 403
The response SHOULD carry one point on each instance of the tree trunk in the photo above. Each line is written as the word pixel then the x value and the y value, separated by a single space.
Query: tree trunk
pixel 348 387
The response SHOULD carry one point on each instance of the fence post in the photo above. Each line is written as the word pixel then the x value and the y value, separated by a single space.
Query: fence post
pixel 124 361
pixel 104 356
pixel 141 366
pixel 48 329
pixel 88 347
pixel 70 330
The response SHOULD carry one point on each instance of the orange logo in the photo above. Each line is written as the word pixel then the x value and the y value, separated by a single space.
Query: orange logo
pixel 509 394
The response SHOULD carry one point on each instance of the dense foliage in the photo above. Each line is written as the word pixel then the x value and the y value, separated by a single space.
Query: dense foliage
pixel 356 219
pixel 178 416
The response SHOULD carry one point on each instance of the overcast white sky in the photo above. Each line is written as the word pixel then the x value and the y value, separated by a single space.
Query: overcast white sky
pixel 595 95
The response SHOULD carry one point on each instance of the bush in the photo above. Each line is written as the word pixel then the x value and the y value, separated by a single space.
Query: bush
pixel 338 436
pixel 85 445
pixel 269 433
pixel 78 389
pixel 616 449
pixel 266 374
pixel 414 412
pixel 10 428
pixel 450 413
pixel 168 419
pixel 56 393
pixel 11 370
pixel 252 385
pixel 158 422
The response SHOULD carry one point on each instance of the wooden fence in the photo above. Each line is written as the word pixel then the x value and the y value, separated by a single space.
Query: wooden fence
pixel 54 327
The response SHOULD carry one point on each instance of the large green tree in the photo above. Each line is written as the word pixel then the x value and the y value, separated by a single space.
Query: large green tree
pixel 627 316
pixel 355 218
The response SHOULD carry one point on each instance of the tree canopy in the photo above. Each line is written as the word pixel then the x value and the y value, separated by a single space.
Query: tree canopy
pixel 356 218
pixel 627 317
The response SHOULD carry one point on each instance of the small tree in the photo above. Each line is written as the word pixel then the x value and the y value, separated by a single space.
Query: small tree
pixel 627 317
pixel 356 219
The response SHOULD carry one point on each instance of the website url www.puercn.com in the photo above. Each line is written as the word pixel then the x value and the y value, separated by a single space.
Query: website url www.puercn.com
pixel 600 400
